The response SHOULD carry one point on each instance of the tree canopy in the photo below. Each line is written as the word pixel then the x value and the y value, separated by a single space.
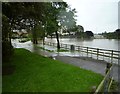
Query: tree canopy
pixel 112 35
pixel 42 18
pixel 89 34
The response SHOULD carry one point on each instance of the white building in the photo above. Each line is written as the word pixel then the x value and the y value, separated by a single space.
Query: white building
pixel 97 36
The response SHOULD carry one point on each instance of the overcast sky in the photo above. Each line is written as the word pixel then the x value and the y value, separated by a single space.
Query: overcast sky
pixel 96 15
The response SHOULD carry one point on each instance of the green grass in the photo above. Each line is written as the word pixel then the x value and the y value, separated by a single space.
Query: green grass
pixel 35 73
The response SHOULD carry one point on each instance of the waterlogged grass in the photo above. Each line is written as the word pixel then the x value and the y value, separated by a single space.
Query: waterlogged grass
pixel 61 50
pixel 45 49
pixel 35 73
pixel 24 40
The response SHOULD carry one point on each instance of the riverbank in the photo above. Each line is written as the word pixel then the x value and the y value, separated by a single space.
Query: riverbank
pixel 35 73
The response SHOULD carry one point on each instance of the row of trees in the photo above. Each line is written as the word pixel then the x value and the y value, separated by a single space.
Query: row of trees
pixel 112 35
pixel 41 18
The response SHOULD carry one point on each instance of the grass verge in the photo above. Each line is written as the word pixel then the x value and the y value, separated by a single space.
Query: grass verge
pixel 35 73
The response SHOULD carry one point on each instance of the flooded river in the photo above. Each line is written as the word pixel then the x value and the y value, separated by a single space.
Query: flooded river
pixel 111 44
pixel 95 43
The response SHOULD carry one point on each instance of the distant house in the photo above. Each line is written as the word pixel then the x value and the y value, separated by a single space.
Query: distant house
pixel 72 33
pixel 97 36
pixel 65 34
pixel 19 33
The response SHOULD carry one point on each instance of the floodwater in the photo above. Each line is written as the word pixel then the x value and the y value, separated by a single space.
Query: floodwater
pixel 95 43
pixel 111 44
pixel 100 43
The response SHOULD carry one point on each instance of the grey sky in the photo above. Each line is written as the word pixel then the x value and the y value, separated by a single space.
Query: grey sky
pixel 96 15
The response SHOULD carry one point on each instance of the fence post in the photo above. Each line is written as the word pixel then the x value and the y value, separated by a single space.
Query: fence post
pixel 91 53
pixel 78 48
pixel 103 55
pixel 112 57
pixel 72 47
pixel 108 67
pixel 66 46
pixel 81 48
pixel 97 53
pixel 87 51
pixel 106 83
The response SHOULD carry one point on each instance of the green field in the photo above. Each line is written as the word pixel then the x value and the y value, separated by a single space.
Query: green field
pixel 35 73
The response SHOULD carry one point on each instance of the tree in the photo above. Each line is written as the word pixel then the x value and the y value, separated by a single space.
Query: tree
pixel 89 34
pixel 17 16
pixel 65 18
pixel 31 14
pixel 79 31
pixel 7 49
pixel 112 35
pixel 21 13
pixel 117 33
pixel 37 33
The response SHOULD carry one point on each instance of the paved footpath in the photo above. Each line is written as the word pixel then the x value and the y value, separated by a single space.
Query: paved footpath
pixel 93 65
pixel 82 62
pixel 85 63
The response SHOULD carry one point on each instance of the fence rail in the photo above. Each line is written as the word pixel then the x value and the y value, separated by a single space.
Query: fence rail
pixel 106 83
pixel 104 53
